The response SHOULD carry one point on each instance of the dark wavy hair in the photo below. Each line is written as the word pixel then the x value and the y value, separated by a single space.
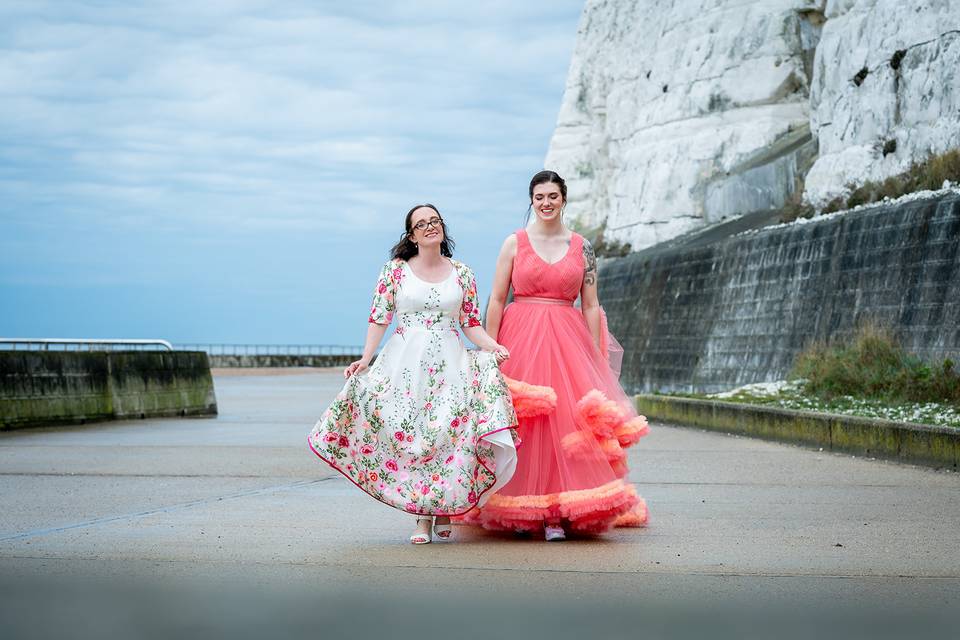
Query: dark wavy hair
pixel 406 248
pixel 544 177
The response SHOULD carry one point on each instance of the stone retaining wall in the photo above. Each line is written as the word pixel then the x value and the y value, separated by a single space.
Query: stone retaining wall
pixel 44 388
pixel 708 317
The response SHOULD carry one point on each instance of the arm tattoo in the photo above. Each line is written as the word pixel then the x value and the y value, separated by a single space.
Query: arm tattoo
pixel 589 263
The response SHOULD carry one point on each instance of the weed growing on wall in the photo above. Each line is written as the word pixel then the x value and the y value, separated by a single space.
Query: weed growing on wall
pixel 872 364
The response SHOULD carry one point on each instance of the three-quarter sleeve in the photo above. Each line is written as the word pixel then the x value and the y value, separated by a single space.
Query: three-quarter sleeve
pixel 469 306
pixel 385 294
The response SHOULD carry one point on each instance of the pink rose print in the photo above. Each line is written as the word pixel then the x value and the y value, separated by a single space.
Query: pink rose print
pixel 425 489
pixel 391 464
pixel 399 436
pixel 397 274
pixel 344 442
pixel 409 438
pixel 449 460
pixel 366 449
pixel 435 477
pixel 330 437
pixel 411 507
pixel 374 476
pixel 472 497
pixel 383 287
pixel 463 419
pixel 429 405
pixel 454 422
pixel 467 306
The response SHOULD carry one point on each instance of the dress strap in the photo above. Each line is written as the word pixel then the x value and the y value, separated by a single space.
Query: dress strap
pixel 523 240
pixel 577 241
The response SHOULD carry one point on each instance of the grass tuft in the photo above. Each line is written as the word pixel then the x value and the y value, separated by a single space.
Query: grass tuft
pixel 874 365
pixel 927 175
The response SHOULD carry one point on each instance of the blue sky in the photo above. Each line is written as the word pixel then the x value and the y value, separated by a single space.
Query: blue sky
pixel 235 171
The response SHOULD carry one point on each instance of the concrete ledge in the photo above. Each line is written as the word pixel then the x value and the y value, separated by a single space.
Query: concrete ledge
pixel 39 388
pixel 905 442
pixel 258 361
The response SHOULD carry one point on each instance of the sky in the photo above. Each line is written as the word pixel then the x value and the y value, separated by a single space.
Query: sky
pixel 237 171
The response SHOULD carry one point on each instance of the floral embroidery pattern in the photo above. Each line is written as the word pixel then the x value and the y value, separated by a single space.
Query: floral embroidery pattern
pixel 384 294
pixel 413 430
pixel 470 307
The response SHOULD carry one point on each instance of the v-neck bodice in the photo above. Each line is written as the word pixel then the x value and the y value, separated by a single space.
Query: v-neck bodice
pixel 533 276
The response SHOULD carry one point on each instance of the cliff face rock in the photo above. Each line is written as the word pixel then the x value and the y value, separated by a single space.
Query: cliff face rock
pixel 885 90
pixel 679 114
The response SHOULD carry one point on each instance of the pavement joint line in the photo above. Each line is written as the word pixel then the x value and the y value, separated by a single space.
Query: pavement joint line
pixel 319 565
pixel 36 533
pixel 652 483
pixel 82 474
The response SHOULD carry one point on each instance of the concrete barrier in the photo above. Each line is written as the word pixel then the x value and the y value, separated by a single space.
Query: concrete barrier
pixel 905 442
pixel 247 361
pixel 56 387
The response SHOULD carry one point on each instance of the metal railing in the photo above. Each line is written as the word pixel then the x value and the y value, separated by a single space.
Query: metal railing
pixel 80 344
pixel 274 349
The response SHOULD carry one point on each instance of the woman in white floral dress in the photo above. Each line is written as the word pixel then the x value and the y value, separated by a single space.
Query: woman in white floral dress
pixel 429 427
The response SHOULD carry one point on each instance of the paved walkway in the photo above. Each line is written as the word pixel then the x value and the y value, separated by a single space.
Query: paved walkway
pixel 206 517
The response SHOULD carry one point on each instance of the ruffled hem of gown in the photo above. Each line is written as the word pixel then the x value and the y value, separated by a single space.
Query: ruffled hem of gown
pixel 586 511
pixel 600 423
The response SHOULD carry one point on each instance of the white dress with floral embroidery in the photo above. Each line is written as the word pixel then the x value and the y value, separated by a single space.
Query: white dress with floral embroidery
pixel 429 427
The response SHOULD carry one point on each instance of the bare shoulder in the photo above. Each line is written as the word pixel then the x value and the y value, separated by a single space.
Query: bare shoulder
pixel 509 247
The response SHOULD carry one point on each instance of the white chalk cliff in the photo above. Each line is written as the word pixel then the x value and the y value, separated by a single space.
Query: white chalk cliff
pixel 885 90
pixel 679 114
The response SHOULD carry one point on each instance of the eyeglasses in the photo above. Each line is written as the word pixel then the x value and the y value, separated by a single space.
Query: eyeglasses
pixel 434 222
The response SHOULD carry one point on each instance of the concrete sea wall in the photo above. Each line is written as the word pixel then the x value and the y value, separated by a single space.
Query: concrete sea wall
pixel 246 361
pixel 708 317
pixel 56 387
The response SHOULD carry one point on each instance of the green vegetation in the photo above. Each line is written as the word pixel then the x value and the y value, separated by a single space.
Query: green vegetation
pixel 792 396
pixel 929 174
pixel 869 375
pixel 874 365
pixel 602 247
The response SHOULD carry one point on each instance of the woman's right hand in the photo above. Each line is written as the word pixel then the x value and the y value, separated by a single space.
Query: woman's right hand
pixel 356 367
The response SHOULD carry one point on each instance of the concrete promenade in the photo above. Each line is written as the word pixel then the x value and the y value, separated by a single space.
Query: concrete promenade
pixel 230 526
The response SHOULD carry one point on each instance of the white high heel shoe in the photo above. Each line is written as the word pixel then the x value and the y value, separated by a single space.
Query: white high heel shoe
pixel 420 537
pixel 442 531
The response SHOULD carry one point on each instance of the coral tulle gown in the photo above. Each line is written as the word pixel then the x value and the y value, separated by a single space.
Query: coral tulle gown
pixel 572 463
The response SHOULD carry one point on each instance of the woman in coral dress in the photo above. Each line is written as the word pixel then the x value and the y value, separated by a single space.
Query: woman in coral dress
pixel 571 469
pixel 428 428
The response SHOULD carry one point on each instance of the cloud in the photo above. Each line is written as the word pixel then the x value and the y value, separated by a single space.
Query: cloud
pixel 133 131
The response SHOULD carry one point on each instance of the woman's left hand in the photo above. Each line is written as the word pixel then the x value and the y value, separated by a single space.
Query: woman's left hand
pixel 500 352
